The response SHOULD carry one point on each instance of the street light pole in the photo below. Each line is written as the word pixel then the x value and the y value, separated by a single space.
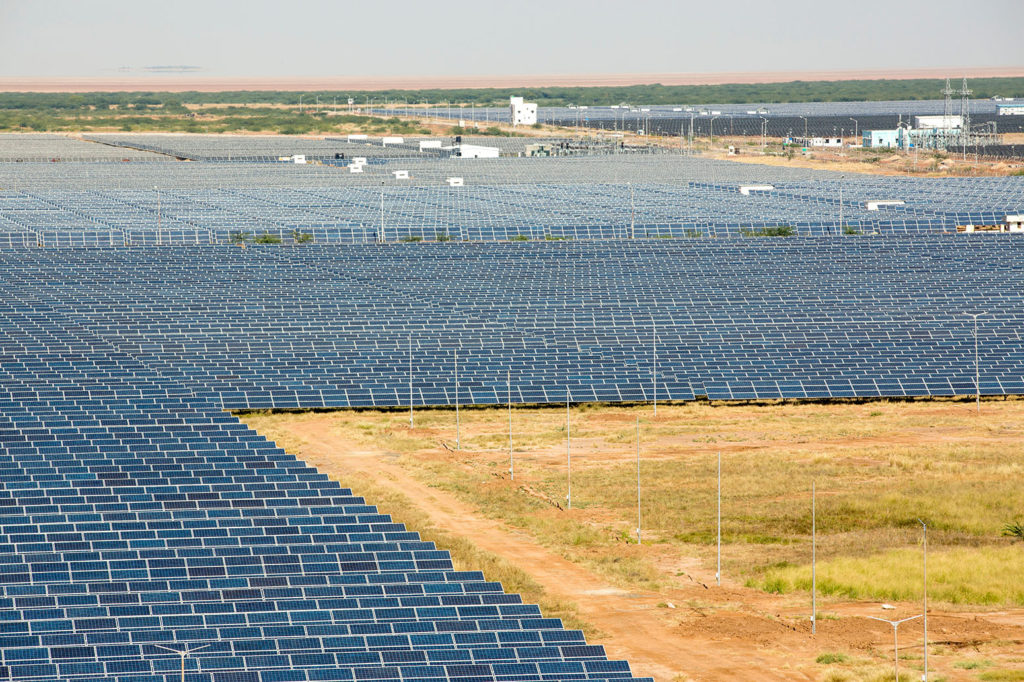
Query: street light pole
pixel 977 371
pixel 895 639
pixel 712 131
pixel 841 178
pixel 856 128
pixel 718 572
pixel 183 653
pixel 924 526
pixel 805 128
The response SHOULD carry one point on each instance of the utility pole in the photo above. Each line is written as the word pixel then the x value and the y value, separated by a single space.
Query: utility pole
pixel 895 639
pixel 568 453
pixel 632 213
pixel 511 462
pixel 924 526
pixel 639 518
pixel 410 381
pixel 185 653
pixel 718 572
pixel 654 364
pixel 977 370
pixel 382 240
pixel 457 425
pixel 814 565
pixel 841 177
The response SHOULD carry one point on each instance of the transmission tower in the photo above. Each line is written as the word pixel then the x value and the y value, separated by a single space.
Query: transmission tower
pixel 965 116
pixel 947 93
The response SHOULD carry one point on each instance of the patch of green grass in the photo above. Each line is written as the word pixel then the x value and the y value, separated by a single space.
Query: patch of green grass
pixel 1002 676
pixel 831 658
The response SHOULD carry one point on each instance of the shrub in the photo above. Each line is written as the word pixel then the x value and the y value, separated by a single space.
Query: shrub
pixel 443 237
pixel 267 238
pixel 1014 530
pixel 850 229
pixel 830 658
pixel 520 238
pixel 301 237
pixel 239 237
pixel 412 238
pixel 776 231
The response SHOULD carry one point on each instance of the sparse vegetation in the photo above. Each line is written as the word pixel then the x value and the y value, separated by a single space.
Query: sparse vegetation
pixel 776 231
pixel 267 238
pixel 410 238
pixel 239 237
pixel 301 237
pixel 1014 530
pixel 520 238
pixel 830 658
pixel 957 471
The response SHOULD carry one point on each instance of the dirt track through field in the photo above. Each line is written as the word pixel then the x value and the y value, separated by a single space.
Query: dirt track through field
pixel 708 632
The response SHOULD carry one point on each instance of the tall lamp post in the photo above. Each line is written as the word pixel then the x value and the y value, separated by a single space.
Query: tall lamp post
pixel 805 128
pixel 712 130
pixel 184 653
pixel 977 372
pixel 924 526
pixel 856 128
pixel 895 638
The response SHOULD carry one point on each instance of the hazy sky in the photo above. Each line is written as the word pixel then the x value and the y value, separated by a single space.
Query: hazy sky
pixel 478 37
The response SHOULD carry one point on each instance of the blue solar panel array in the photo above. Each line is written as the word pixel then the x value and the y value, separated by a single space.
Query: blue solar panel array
pixel 290 327
pixel 137 519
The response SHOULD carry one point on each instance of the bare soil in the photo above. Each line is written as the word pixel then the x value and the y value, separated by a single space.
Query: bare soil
pixel 692 630
pixel 212 83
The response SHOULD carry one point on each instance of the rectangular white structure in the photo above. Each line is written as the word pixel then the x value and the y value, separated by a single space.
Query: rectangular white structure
pixel 400 174
pixel 941 122
pixel 522 113
pixel 430 144
pixel 1010 109
pixel 299 158
pixel 475 151
pixel 455 182
pixel 358 138
pixel 385 141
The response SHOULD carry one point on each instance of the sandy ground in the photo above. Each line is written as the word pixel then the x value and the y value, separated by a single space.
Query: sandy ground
pixel 210 83
pixel 695 632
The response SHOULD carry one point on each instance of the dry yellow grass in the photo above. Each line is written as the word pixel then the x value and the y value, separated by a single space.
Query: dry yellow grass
pixel 878 468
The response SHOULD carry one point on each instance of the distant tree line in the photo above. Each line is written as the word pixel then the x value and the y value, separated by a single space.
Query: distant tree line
pixel 794 91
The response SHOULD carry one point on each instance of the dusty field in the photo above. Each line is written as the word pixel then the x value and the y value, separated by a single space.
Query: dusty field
pixel 877 467
pixel 211 83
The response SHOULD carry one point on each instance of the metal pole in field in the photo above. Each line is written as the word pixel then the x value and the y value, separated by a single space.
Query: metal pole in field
pixel 654 364
pixel 410 382
pixel 718 573
pixel 632 213
pixel 814 564
pixel 183 653
pixel 841 203
pixel 925 612
pixel 382 240
pixel 457 425
pixel 977 370
pixel 511 461
pixel 895 639
pixel 639 518
pixel 568 453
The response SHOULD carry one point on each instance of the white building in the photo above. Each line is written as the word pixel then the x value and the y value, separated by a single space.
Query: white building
pixel 941 122
pixel 475 151
pixel 1010 109
pixel 522 113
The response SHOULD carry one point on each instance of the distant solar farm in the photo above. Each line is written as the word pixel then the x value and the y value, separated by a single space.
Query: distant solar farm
pixel 143 529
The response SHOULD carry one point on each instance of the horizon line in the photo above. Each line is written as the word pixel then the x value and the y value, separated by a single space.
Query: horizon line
pixel 210 83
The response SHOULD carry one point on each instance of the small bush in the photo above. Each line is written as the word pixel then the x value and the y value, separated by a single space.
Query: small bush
pixel 267 238
pixel 830 658
pixel 1014 530
pixel 239 237
pixel 520 238
pixel 776 231
pixel 412 238
pixel 850 229
pixel 301 237
pixel 443 237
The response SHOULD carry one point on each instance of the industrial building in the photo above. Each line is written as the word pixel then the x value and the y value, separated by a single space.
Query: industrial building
pixel 522 113
pixel 1011 108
